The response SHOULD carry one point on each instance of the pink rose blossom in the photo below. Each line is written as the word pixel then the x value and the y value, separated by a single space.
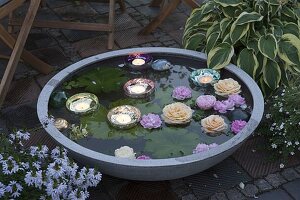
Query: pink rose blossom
pixel 182 93
pixel 143 157
pixel 237 126
pixel 206 102
pixel 204 147
pixel 237 99
pixel 223 106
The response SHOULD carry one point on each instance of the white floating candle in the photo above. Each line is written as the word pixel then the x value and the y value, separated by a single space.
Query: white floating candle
pixel 81 105
pixel 122 118
pixel 138 62
pixel 205 79
pixel 137 89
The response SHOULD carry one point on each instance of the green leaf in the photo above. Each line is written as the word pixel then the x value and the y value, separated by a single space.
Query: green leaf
pixel 195 41
pixel 211 41
pixel 288 12
pixel 224 24
pixel 267 45
pixel 245 17
pixel 100 79
pixel 291 28
pixel 253 44
pixel 208 7
pixel 278 32
pixel 173 142
pixel 229 11
pixel 272 2
pixel 248 62
pixel 226 3
pixel 238 31
pixel 271 73
pixel 220 56
pixel 289 49
pixel 214 28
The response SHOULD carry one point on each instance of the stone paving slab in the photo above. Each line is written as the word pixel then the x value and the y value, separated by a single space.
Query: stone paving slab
pixel 293 188
pixel 277 194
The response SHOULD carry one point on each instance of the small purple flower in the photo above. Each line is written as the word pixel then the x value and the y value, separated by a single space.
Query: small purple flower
pixel 151 121
pixel 204 147
pixel 223 106
pixel 182 93
pixel 143 157
pixel 237 99
pixel 237 126
pixel 206 102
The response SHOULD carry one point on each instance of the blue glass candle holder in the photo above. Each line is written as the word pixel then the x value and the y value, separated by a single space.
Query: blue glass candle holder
pixel 139 61
pixel 204 77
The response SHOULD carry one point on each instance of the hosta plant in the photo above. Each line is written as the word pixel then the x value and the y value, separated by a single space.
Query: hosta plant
pixel 259 36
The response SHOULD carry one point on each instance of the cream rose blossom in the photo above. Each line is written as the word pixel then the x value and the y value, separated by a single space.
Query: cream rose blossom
pixel 177 113
pixel 227 87
pixel 213 124
pixel 125 152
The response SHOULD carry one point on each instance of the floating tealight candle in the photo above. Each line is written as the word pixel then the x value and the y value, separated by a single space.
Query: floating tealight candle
pixel 139 61
pixel 139 88
pixel 204 77
pixel 82 103
pixel 124 117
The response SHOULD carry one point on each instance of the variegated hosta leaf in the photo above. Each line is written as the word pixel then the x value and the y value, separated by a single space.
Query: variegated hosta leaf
pixel 208 7
pixel 253 44
pixel 229 11
pixel 289 49
pixel 277 22
pixel 248 62
pixel 278 32
pixel 267 45
pixel 272 2
pixel 195 41
pixel 246 17
pixel 271 73
pixel 214 28
pixel 226 3
pixel 224 24
pixel 291 28
pixel 194 18
pixel 211 41
pixel 220 56
pixel 238 31
pixel 288 12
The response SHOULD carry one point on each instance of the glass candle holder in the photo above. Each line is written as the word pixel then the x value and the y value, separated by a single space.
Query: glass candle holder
pixel 82 103
pixel 124 117
pixel 204 77
pixel 139 61
pixel 139 88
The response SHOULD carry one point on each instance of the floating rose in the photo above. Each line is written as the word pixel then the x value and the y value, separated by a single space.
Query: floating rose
pixel 151 121
pixel 213 124
pixel 237 126
pixel 206 102
pixel 125 152
pixel 182 93
pixel 177 113
pixel 143 157
pixel 204 147
pixel 237 99
pixel 227 87
pixel 223 106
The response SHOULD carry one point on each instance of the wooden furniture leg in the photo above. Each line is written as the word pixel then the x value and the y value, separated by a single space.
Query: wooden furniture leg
pixel 111 21
pixel 165 12
pixel 26 55
pixel 122 5
pixel 18 48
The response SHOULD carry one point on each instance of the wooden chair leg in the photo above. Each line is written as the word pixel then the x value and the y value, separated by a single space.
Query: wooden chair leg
pixel 111 21
pixel 18 48
pixel 10 27
pixel 165 12
pixel 26 55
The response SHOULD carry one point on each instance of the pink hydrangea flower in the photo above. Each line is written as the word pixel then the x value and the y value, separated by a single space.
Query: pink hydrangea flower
pixel 182 93
pixel 237 126
pixel 151 121
pixel 206 102
pixel 204 147
pixel 143 157
pixel 237 99
pixel 223 106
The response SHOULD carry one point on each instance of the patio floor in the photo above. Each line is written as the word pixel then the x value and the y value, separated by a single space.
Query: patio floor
pixel 61 48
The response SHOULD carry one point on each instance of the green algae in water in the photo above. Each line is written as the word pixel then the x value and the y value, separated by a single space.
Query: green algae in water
pixel 165 142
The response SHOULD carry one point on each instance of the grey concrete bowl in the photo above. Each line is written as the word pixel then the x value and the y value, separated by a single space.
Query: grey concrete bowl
pixel 155 169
